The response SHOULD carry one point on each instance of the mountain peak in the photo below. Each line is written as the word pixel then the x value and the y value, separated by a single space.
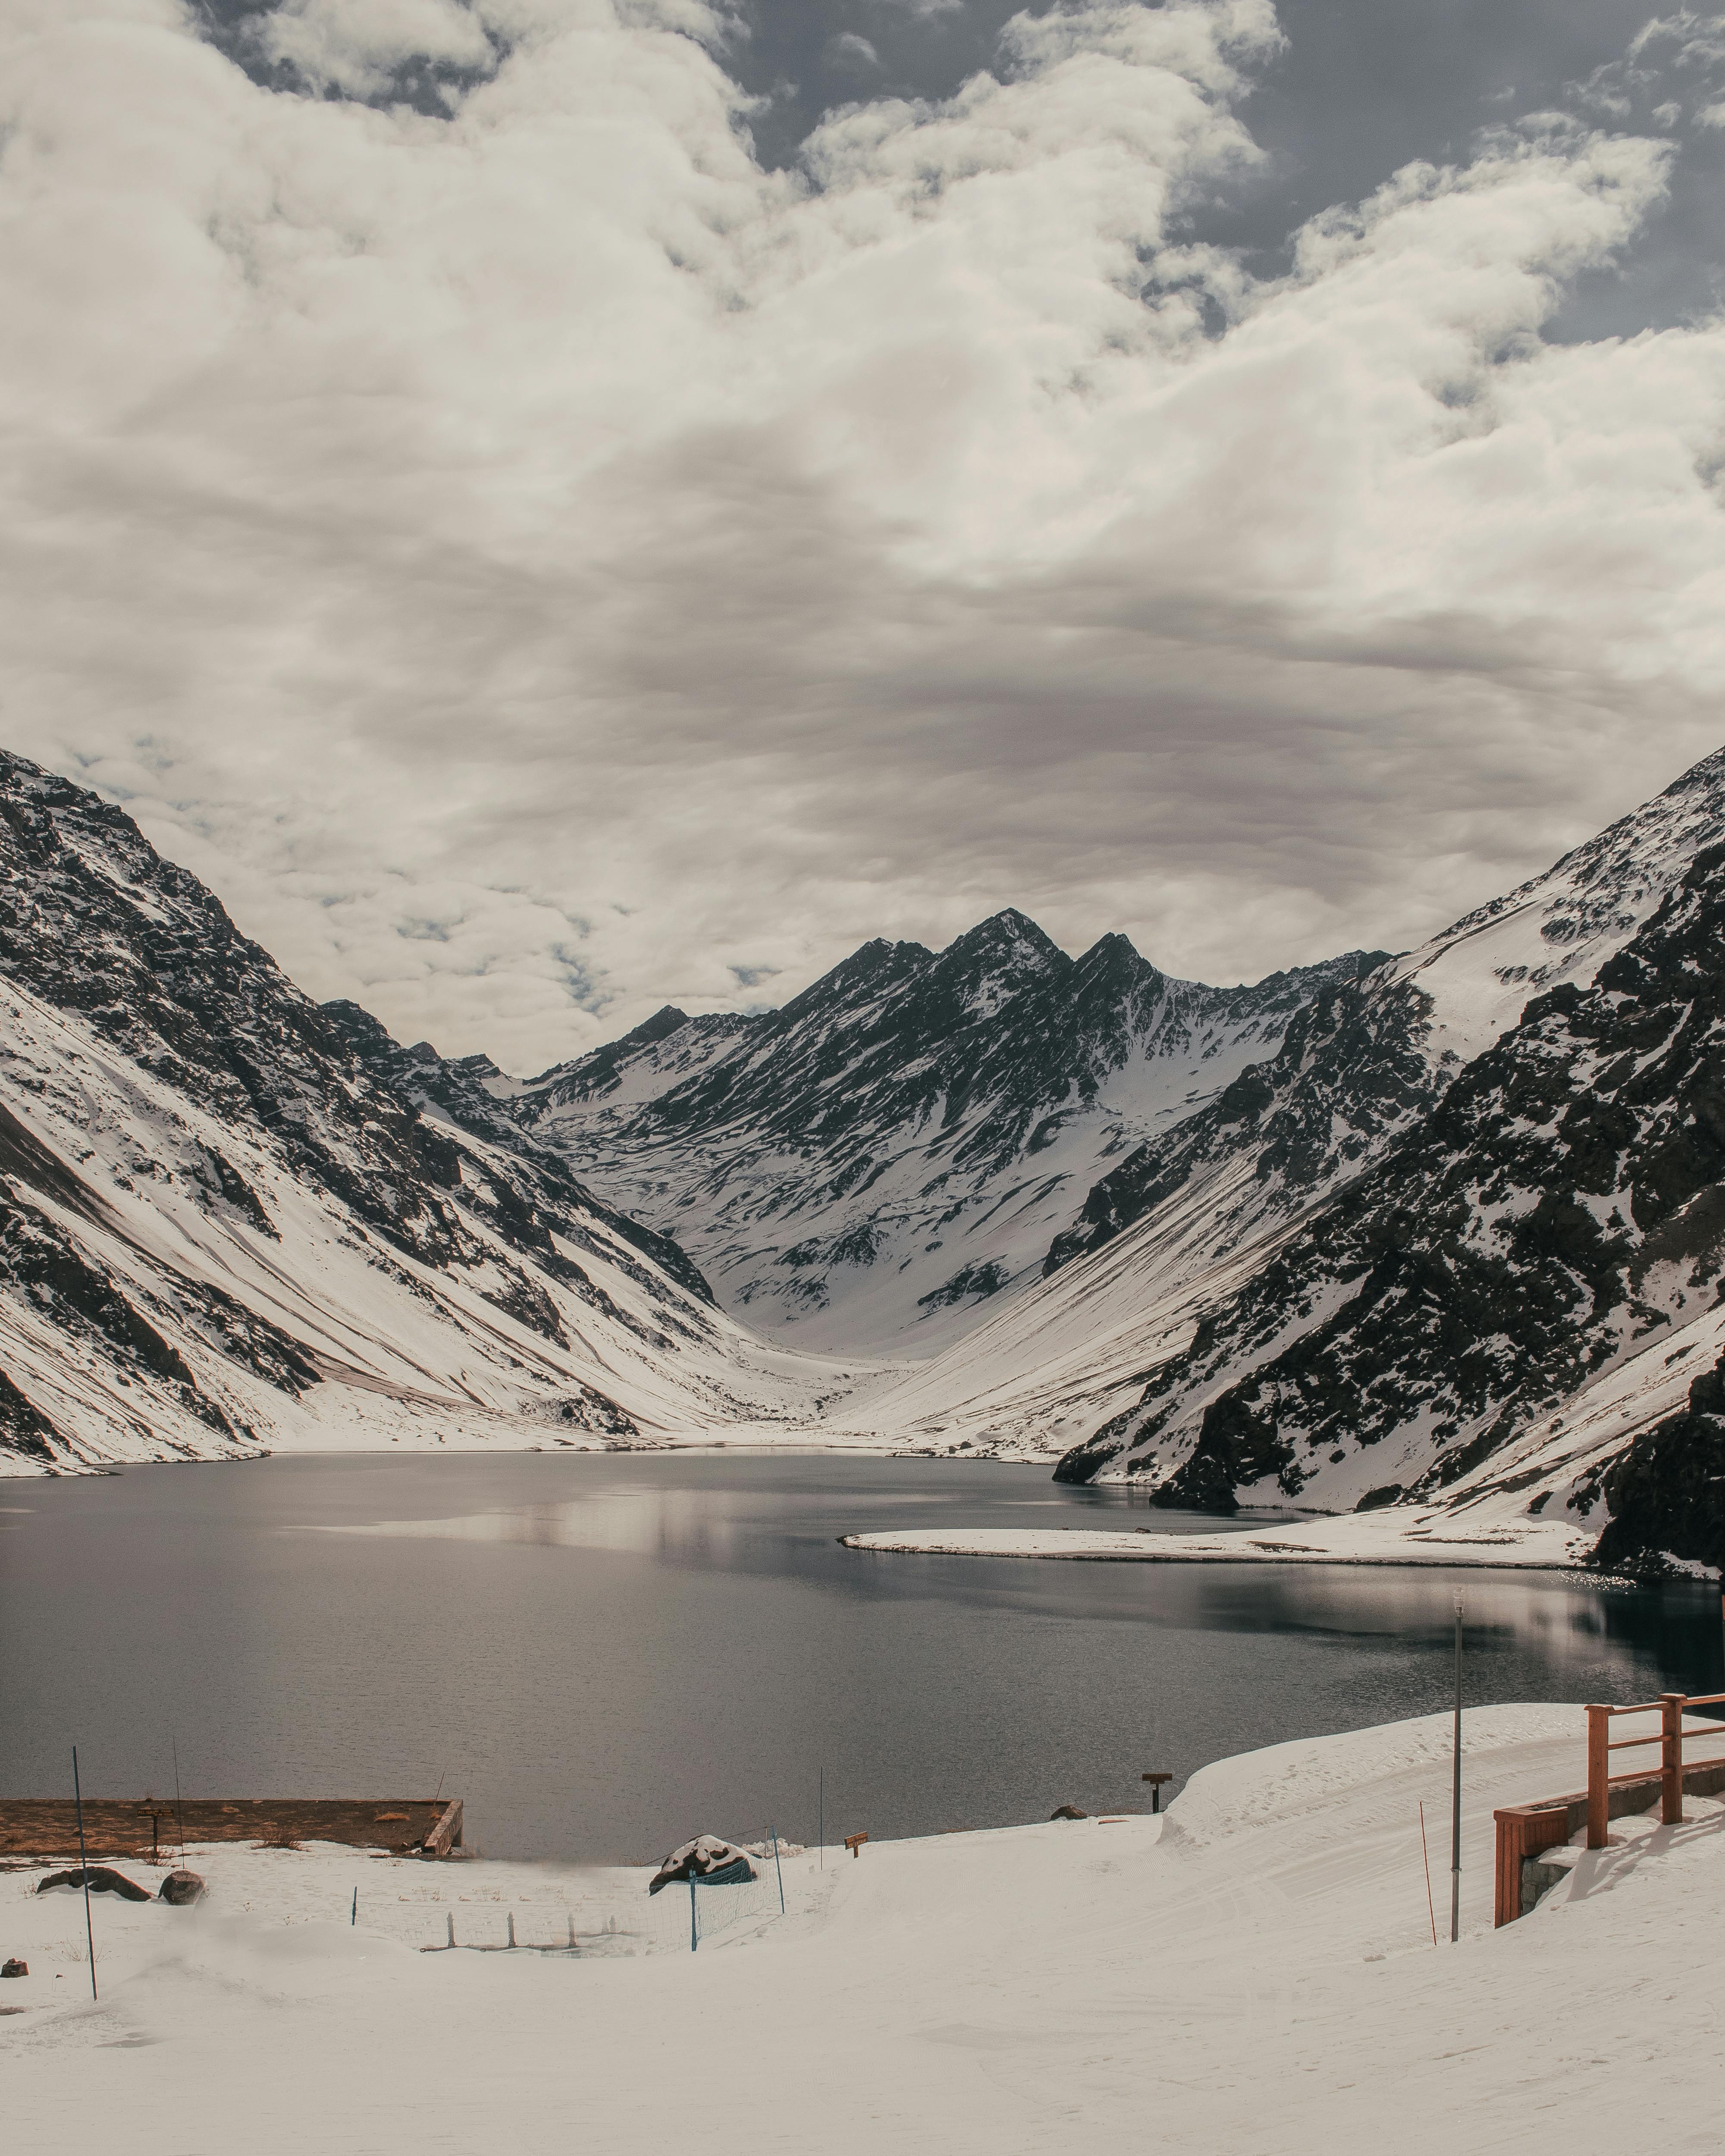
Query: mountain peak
pixel 664 1022
pixel 1009 929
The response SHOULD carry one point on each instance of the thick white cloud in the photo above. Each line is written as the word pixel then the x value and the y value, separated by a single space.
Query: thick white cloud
pixel 359 45
pixel 536 564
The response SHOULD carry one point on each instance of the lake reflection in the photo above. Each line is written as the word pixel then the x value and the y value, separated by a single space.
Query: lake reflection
pixel 606 1653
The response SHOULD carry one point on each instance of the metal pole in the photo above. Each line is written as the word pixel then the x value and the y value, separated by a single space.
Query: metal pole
pixel 821 1819
pixel 179 1807
pixel 83 1861
pixel 1455 1798
pixel 777 1867
pixel 694 1934
pixel 354 1919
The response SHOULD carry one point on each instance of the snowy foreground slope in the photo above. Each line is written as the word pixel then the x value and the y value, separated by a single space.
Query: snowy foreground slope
pixel 1255 1973
pixel 221 1233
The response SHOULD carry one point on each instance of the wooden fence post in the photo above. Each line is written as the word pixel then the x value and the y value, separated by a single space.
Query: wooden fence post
pixel 1599 1775
pixel 1671 1705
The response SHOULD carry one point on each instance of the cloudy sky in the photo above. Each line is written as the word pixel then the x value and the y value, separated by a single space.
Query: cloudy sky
pixel 552 506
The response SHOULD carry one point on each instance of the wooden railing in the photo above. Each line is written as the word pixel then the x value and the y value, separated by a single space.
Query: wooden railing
pixel 1671 1707
pixel 1525 1831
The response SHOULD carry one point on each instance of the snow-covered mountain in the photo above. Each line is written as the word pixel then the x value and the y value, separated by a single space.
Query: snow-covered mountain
pixel 1445 1230
pixel 1558 1210
pixel 870 1166
pixel 1446 1240
pixel 1203 1254
pixel 228 1221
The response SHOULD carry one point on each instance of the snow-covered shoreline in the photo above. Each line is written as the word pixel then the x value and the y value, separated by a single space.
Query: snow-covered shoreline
pixel 1255 1971
pixel 1370 1538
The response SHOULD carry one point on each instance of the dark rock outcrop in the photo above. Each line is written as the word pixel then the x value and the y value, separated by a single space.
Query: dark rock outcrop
pixel 1666 1494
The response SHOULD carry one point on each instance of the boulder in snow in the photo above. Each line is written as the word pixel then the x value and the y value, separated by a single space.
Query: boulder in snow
pixel 180 1889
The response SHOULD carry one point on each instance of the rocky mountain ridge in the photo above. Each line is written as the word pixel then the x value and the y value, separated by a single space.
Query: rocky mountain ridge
pixel 866 1167
pixel 221 1227
pixel 1520 1223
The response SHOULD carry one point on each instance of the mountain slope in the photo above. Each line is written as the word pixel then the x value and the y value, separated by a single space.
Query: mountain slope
pixel 1559 1208
pixel 903 1141
pixel 1370 1056
pixel 1183 1225
pixel 221 1229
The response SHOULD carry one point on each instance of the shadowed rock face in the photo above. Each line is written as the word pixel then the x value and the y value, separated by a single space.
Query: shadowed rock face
pixel 1559 1204
pixel 528 1191
pixel 94 921
pixel 1666 1495
pixel 1349 1071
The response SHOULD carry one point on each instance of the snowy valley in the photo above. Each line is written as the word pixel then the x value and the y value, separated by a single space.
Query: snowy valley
pixel 1437 1231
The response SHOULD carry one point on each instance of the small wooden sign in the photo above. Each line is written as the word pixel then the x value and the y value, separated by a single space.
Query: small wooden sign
pixel 1156 1782
pixel 853 1842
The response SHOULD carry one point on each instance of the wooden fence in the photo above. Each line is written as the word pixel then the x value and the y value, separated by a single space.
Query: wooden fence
pixel 140 1828
pixel 1524 1830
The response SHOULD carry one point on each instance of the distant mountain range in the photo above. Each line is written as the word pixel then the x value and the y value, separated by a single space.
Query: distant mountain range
pixel 1443 1229
pixel 915 1134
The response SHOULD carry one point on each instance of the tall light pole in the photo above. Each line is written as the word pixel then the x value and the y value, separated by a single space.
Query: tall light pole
pixel 1455 1798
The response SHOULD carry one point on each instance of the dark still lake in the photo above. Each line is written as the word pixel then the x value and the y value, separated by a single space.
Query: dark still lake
pixel 604 1654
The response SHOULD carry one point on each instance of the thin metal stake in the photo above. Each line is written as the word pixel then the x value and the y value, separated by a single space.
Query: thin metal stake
pixel 777 1867
pixel 84 1860
pixel 821 1819
pixel 694 1934
pixel 354 1919
pixel 1455 1798
pixel 178 1807
pixel 1431 1908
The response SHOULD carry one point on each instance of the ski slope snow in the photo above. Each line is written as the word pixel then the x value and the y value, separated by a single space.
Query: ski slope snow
pixel 1254 1972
